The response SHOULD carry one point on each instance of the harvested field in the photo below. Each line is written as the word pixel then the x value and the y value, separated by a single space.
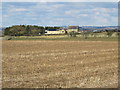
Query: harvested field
pixel 55 64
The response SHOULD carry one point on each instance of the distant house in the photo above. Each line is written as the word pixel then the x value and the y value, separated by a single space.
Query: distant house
pixel 62 30
pixel 73 29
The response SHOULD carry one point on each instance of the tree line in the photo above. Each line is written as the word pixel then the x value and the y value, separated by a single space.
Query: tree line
pixel 26 30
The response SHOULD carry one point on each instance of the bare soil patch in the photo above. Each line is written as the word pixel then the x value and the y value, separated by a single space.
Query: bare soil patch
pixel 55 64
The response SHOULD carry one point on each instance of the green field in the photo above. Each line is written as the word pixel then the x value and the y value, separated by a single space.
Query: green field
pixel 68 38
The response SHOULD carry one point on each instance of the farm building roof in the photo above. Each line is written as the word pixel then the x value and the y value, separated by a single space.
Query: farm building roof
pixel 52 29
pixel 73 27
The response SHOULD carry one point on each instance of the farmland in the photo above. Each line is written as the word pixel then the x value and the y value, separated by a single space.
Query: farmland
pixel 62 38
pixel 55 64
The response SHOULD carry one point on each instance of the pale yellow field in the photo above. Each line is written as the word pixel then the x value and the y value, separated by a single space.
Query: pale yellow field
pixel 55 64
pixel 50 36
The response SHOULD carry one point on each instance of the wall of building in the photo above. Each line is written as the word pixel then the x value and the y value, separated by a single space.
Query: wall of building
pixel 56 32
pixel 70 30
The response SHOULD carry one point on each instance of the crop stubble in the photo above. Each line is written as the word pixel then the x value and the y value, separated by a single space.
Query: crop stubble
pixel 65 64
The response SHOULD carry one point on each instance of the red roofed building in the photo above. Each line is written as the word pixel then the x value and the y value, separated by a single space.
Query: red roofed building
pixel 73 29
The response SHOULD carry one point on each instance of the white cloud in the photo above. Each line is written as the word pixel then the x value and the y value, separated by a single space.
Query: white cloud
pixel 105 10
pixel 83 15
pixel 70 12
pixel 47 7
pixel 61 14
pixel 114 19
pixel 60 0
pixel 104 19
pixel 100 19
pixel 97 13
pixel 18 9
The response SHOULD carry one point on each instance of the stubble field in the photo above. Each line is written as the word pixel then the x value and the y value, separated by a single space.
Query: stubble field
pixel 59 64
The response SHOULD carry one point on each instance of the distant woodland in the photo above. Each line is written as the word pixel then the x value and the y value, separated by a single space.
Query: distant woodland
pixel 26 30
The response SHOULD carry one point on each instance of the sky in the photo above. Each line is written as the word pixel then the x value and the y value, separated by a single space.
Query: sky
pixel 60 13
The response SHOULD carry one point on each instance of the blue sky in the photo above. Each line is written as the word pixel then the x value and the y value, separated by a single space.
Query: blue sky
pixel 59 13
